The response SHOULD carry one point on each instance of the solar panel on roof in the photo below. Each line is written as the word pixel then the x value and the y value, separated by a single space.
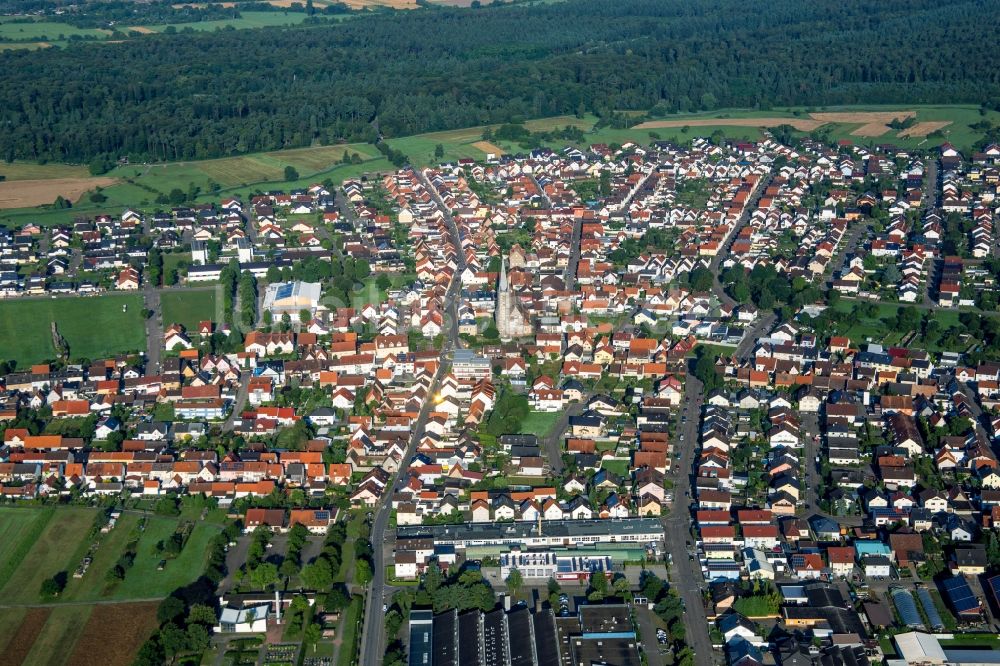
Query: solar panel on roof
pixel 960 595
pixel 284 291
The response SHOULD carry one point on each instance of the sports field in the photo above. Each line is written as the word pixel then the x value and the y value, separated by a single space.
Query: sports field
pixel 94 327
pixel 189 307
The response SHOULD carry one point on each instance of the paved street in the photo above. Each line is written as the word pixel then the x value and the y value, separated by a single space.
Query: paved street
pixel 373 641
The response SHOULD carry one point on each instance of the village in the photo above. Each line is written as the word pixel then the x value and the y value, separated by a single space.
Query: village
pixel 734 402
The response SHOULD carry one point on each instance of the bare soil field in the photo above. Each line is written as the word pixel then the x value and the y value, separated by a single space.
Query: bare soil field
pixel 142 30
pixel 862 117
pixel 871 129
pixel 133 624
pixel 20 645
pixel 797 123
pixel 29 193
pixel 924 128
pixel 488 147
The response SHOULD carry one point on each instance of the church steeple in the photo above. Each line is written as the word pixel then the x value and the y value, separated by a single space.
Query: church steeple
pixel 503 274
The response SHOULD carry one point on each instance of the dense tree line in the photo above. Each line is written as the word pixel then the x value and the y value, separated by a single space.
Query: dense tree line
pixel 169 97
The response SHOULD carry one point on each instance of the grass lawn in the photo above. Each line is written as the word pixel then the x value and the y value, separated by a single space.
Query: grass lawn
pixel 19 530
pixel 58 548
pixel 348 630
pixel 95 327
pixel 972 641
pixel 539 423
pixel 143 580
pixel 189 307
pixel 618 467
pixel 63 628
pixel 93 585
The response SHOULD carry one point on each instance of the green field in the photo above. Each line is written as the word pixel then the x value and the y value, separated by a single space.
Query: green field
pixel 189 307
pixel 32 171
pixel 10 621
pixel 58 547
pixel 95 327
pixel 11 30
pixel 246 20
pixel 539 423
pixel 143 580
pixel 19 530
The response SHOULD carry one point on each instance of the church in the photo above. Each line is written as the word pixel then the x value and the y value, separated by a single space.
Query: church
pixel 511 320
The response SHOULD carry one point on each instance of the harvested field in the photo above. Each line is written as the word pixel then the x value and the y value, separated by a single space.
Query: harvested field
pixel 871 129
pixel 142 30
pixel 862 117
pixel 798 123
pixel 29 193
pixel 20 645
pixel 394 4
pixel 924 128
pixel 133 623
pixel 488 147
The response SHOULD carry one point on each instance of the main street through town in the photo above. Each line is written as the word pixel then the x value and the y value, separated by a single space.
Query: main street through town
pixel 380 593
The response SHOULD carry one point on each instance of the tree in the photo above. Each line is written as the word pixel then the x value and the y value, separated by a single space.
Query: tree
pixel 305 316
pixel 53 587
pixel 312 634
pixel 438 151
pixel 291 173
pixel 264 575
pixel 362 269
pixel 201 614
pixel 598 586
pixel 170 609
pixel 174 639
pixel 514 582
pixel 362 572
pixel 318 575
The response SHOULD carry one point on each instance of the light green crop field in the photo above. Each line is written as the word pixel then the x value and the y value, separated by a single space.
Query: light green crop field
pixel 32 171
pixel 189 307
pixel 94 327
pixel 246 20
pixel 19 529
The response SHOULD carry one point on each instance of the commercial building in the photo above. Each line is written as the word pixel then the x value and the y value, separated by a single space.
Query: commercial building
pixel 292 297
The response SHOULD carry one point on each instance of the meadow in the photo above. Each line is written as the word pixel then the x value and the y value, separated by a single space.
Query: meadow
pixel 188 307
pixel 94 327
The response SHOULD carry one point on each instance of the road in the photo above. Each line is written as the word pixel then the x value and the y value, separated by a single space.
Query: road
pixel 686 577
pixel 727 243
pixel 928 202
pixel 243 391
pixel 154 327
pixel 373 628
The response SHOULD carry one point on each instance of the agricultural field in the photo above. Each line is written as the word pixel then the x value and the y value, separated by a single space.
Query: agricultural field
pixel 862 124
pixel 57 547
pixel 16 29
pixel 245 20
pixel 133 622
pixel 19 529
pixel 188 307
pixel 94 327
pixel 62 629
pixel 28 193
pixel 31 171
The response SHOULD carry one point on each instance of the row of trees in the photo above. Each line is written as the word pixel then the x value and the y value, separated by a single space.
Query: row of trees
pixel 146 98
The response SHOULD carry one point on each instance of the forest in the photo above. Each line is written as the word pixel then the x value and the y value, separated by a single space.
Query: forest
pixel 200 95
